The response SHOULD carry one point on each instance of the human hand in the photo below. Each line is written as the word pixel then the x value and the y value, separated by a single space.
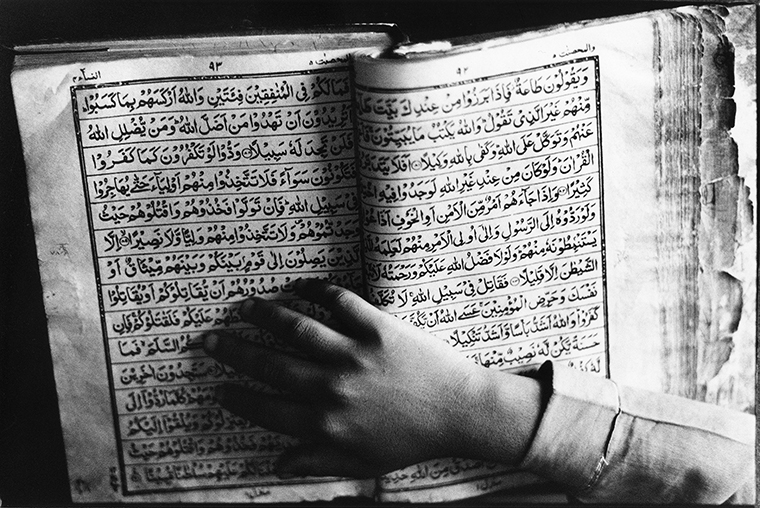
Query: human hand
pixel 375 396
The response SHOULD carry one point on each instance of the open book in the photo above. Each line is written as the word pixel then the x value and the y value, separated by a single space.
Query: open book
pixel 580 193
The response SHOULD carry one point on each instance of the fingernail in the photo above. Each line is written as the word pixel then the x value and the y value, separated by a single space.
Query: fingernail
pixel 246 308
pixel 211 342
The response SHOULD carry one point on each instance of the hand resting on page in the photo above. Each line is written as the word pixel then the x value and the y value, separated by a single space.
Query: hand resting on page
pixel 376 395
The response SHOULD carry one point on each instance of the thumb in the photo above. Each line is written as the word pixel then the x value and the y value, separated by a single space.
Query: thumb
pixel 316 459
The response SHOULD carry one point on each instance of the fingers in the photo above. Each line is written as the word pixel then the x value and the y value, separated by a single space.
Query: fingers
pixel 299 330
pixel 272 412
pixel 290 417
pixel 350 309
pixel 277 369
pixel 317 459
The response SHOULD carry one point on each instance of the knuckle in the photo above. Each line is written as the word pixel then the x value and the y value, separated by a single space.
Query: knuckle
pixel 374 334
pixel 330 426
pixel 302 329
pixel 339 388
pixel 334 390
pixel 338 296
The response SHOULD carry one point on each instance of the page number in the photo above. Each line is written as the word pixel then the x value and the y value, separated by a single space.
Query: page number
pixel 462 70
pixel 214 66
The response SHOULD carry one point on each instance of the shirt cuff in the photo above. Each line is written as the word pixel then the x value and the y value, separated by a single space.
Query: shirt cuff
pixel 570 445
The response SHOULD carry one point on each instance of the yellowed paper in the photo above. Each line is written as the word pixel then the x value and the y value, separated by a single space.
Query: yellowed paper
pixel 506 257
pixel 164 190
pixel 527 200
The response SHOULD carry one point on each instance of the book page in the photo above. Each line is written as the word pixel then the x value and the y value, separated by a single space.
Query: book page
pixel 510 199
pixel 164 190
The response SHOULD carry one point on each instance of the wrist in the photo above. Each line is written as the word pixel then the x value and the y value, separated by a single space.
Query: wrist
pixel 503 413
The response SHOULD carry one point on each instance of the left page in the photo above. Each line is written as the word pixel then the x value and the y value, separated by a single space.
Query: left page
pixel 168 180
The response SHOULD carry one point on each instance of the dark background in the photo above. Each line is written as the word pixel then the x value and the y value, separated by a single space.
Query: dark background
pixel 32 461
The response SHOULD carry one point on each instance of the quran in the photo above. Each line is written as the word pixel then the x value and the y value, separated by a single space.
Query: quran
pixel 582 193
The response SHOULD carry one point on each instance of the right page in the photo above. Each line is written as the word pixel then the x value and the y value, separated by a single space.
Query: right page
pixel 570 194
